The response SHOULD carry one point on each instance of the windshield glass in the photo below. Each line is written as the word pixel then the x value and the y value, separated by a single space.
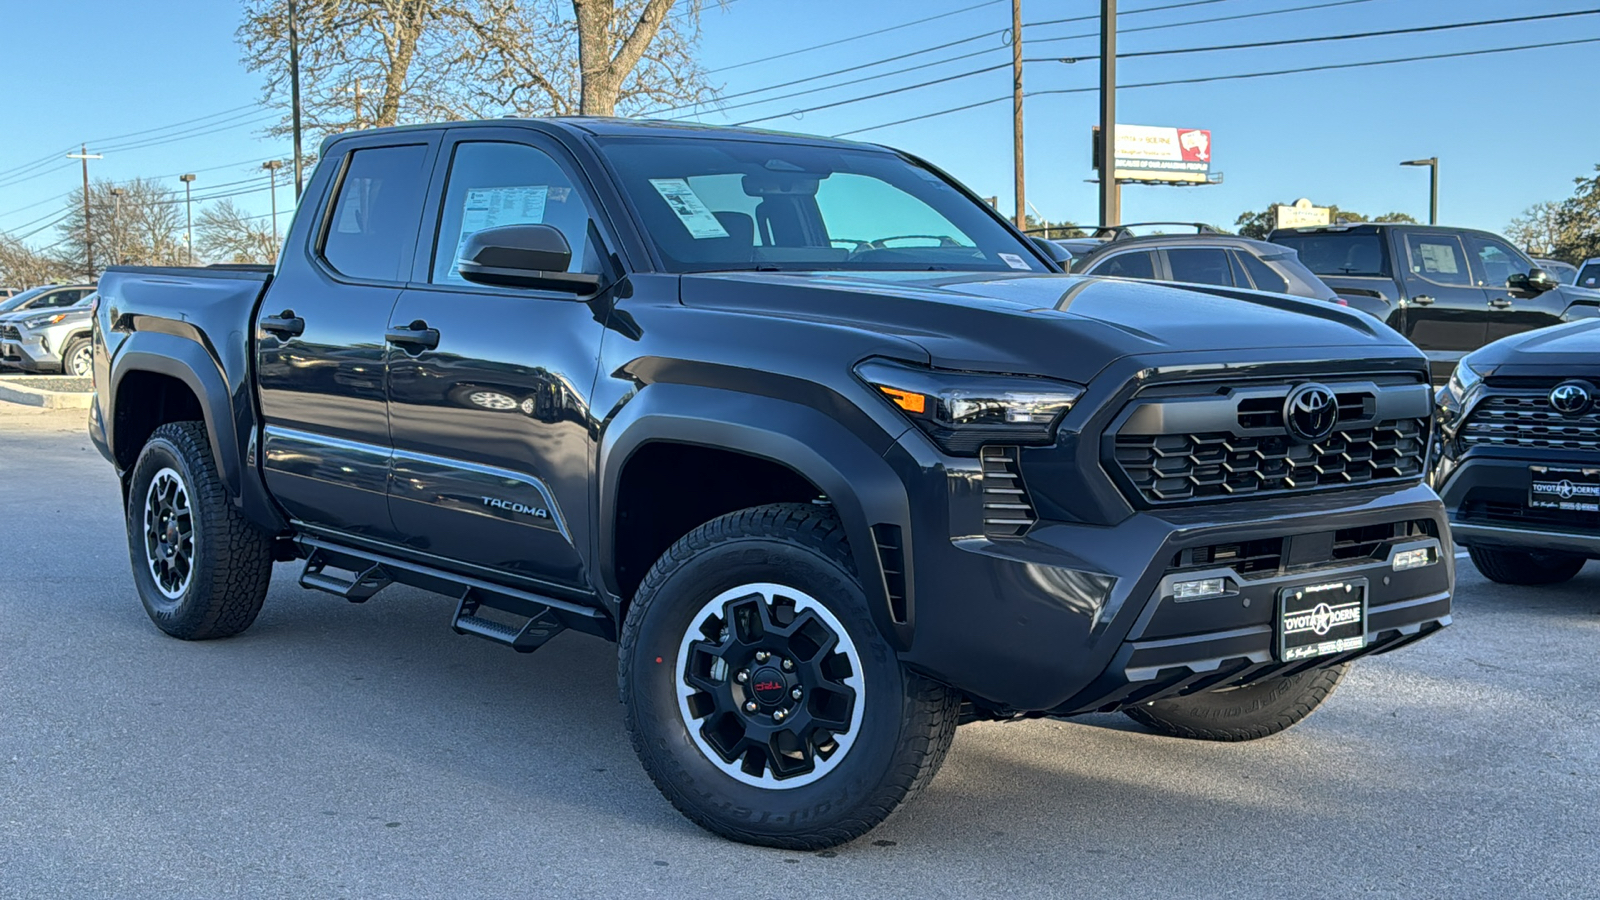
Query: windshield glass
pixel 19 300
pixel 746 204
pixel 1339 253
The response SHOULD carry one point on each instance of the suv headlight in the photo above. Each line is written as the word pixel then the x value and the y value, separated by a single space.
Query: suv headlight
pixel 962 411
pixel 1453 396
pixel 44 321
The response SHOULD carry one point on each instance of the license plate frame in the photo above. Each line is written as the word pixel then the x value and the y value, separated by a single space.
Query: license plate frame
pixel 1319 619
pixel 1568 488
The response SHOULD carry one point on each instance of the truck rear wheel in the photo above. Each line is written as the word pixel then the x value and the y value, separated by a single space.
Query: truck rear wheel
pixel 759 695
pixel 1525 566
pixel 1242 713
pixel 201 568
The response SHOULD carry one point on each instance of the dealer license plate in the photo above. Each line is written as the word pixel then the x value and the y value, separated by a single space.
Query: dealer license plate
pixel 1556 487
pixel 1321 619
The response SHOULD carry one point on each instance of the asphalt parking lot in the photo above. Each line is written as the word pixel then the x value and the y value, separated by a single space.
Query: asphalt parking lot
pixel 340 750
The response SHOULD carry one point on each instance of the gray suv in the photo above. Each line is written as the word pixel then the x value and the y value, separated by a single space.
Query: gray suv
pixel 1207 256
pixel 51 339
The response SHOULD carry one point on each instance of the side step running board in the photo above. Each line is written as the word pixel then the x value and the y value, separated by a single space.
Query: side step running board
pixel 367 581
pixel 530 636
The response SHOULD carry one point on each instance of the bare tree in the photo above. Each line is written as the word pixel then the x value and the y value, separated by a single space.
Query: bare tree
pixel 1539 229
pixel 22 266
pixel 138 222
pixel 427 60
pixel 224 233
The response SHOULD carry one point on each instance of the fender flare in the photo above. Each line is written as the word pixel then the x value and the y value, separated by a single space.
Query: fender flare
pixel 863 488
pixel 188 362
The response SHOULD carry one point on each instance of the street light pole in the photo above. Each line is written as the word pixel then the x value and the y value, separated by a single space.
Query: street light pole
pixel 88 230
pixel 272 166
pixel 1110 195
pixel 188 215
pixel 1432 163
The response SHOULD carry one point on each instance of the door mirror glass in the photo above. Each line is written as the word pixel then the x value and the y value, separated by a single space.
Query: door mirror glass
pixel 528 256
pixel 1536 280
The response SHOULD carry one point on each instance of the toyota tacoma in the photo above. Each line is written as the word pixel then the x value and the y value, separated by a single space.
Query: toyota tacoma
pixel 839 457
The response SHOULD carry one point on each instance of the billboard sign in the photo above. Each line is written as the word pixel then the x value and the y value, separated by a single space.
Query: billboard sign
pixel 1301 215
pixel 1162 154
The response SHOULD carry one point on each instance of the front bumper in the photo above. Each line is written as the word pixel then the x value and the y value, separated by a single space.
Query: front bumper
pixel 1073 618
pixel 1486 494
pixel 29 352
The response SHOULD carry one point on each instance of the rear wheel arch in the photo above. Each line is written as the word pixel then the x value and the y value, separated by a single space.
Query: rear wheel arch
pixel 164 378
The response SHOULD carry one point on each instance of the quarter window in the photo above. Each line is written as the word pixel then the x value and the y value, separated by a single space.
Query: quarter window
pixel 375 216
pixel 495 183
pixel 1265 277
pixel 1127 265
pixel 1200 265
pixel 1590 276
pixel 1437 258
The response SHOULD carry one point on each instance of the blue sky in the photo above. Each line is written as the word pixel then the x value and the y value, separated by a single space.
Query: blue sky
pixel 1510 129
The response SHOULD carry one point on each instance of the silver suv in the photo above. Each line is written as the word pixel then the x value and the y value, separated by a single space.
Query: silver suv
pixel 50 340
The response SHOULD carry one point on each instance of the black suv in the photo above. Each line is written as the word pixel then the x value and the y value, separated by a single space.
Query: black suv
pixel 1520 462
pixel 1207 256
pixel 1449 290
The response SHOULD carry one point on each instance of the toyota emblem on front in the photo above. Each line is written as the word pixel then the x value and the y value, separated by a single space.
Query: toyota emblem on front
pixel 1310 413
pixel 1572 398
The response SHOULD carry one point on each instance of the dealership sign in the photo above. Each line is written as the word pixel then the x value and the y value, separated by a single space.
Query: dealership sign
pixel 1161 154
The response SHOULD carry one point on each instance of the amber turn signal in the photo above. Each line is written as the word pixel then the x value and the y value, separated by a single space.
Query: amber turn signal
pixel 906 400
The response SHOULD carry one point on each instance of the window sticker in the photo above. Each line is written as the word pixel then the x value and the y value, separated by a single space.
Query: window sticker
pixel 1013 260
pixel 689 208
pixel 1438 259
pixel 492 207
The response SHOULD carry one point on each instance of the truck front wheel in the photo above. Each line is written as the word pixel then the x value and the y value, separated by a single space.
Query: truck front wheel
pixel 1241 713
pixel 201 568
pixel 759 695
pixel 1525 566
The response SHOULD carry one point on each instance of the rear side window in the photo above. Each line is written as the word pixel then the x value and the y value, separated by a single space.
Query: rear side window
pixel 1263 275
pixel 1127 265
pixel 1200 265
pixel 1335 253
pixel 375 216
pixel 1438 258
pixel 1590 276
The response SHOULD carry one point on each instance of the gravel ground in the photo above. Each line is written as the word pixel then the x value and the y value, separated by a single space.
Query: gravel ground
pixel 52 383
pixel 338 750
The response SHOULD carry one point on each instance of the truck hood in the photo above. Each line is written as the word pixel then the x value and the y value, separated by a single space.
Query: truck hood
pixel 1572 348
pixel 1063 325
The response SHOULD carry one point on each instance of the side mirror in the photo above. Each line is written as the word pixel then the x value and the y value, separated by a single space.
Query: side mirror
pixel 524 256
pixel 1539 280
pixel 1055 251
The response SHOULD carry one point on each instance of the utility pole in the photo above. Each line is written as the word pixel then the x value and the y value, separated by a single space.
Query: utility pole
pixel 116 227
pixel 1016 111
pixel 272 166
pixel 294 92
pixel 1110 191
pixel 357 91
pixel 188 215
pixel 88 230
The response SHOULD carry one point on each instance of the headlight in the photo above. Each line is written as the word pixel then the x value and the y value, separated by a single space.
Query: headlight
pixel 1461 383
pixel 962 411
pixel 43 321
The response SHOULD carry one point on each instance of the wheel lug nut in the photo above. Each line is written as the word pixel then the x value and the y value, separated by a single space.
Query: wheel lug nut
pixel 742 676
pixel 795 693
pixel 778 715
pixel 788 665
pixel 762 656
pixel 750 706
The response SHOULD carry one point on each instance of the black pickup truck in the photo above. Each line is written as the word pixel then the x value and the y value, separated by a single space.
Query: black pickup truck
pixel 1449 290
pixel 839 457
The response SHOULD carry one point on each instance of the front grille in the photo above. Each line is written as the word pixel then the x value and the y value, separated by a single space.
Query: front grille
pixel 1167 468
pixel 1524 419
pixel 1007 510
pixel 1268 557
pixel 10 333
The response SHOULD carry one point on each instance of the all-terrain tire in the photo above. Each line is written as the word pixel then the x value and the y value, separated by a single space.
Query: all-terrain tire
pixel 906 722
pixel 230 559
pixel 1526 566
pixel 1244 713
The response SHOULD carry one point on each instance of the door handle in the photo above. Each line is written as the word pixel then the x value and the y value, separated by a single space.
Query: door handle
pixel 285 325
pixel 417 334
pixel 1500 303
pixel 1422 300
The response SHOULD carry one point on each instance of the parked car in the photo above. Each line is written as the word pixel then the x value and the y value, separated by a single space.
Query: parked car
pixel 1449 290
pixel 1588 274
pixel 49 296
pixel 1520 462
pixel 1566 273
pixel 6 293
pixel 1207 256
pixel 835 483
pixel 53 340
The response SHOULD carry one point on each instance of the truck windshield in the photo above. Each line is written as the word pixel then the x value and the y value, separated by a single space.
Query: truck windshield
pixel 1339 253
pixel 720 205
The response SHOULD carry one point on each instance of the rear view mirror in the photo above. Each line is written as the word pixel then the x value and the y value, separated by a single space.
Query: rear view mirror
pixel 1539 280
pixel 525 256
pixel 1057 253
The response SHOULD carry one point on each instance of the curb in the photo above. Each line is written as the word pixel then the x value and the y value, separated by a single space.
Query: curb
pixel 32 396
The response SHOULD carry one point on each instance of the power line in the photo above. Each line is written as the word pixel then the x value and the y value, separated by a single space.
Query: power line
pixel 1126 12
pixel 854 37
pixel 1214 19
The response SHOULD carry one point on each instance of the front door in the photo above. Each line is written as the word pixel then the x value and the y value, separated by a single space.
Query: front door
pixel 492 428
pixel 1510 310
pixel 320 340
pixel 1446 309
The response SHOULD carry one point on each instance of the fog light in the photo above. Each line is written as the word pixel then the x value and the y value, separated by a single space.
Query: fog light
pixel 1413 559
pixel 1197 590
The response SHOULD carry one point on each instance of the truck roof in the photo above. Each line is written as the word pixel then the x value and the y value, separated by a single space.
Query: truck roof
pixel 618 126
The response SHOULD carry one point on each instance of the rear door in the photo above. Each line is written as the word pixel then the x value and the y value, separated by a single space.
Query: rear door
pixel 326 451
pixel 492 428
pixel 1510 310
pixel 1446 308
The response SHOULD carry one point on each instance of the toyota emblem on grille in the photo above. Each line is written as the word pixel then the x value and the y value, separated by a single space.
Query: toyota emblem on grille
pixel 1572 398
pixel 1310 413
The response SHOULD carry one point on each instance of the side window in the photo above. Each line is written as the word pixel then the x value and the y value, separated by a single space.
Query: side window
pixel 1589 277
pixel 1263 275
pixel 1437 258
pixel 1200 265
pixel 494 183
pixel 57 299
pixel 1127 265
pixel 376 214
pixel 1495 262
